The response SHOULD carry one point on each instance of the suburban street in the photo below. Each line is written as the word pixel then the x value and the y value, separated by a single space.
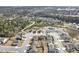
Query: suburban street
pixel 18 49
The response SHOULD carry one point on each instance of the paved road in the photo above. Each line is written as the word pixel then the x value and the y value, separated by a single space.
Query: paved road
pixel 19 49
pixel 27 38
pixel 58 42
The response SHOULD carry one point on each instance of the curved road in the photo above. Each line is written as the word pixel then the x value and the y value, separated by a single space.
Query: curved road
pixel 16 49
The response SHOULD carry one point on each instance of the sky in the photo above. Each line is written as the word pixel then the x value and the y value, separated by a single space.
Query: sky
pixel 39 2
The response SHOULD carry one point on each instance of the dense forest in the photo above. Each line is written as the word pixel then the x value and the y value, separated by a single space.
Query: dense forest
pixel 10 27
